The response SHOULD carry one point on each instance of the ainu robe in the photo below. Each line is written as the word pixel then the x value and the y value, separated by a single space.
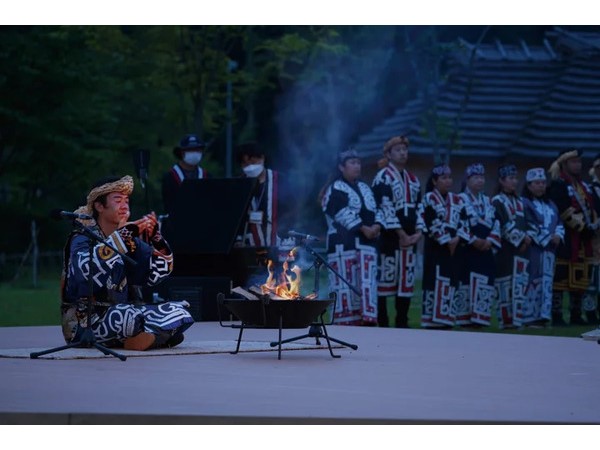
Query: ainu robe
pixel 476 293
pixel 512 277
pixel 118 312
pixel 442 220
pixel 543 222
pixel 398 194
pixel 347 207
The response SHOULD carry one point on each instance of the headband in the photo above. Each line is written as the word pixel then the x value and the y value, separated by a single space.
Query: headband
pixel 507 170
pixel 475 169
pixel 347 154
pixel 535 174
pixel 441 169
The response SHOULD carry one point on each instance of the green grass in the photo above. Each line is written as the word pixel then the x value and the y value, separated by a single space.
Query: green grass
pixel 23 305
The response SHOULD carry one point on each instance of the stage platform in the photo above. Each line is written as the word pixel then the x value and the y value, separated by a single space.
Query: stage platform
pixel 397 376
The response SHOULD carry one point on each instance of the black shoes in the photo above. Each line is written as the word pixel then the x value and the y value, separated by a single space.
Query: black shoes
pixel 591 317
pixel 577 320
pixel 558 321
pixel 174 340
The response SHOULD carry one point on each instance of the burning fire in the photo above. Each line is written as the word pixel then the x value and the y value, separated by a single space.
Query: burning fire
pixel 289 284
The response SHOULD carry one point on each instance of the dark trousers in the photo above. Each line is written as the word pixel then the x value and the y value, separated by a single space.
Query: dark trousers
pixel 402 306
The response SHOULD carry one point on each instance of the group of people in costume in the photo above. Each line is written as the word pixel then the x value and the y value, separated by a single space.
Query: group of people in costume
pixel 515 254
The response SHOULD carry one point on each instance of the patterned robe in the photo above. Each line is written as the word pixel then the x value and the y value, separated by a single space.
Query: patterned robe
pixel 476 293
pixel 574 258
pixel 512 277
pixel 264 202
pixel 543 222
pixel 594 287
pixel 347 207
pixel 441 221
pixel 398 194
pixel 117 312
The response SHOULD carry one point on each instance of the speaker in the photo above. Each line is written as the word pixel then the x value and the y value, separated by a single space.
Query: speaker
pixel 199 292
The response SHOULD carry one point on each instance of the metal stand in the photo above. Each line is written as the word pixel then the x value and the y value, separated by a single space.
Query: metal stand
pixel 275 314
pixel 87 338
pixel 280 341
pixel 318 330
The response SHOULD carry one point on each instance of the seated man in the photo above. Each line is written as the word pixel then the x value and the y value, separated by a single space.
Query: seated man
pixel 119 319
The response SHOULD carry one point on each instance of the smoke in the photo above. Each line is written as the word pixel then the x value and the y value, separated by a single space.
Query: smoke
pixel 318 116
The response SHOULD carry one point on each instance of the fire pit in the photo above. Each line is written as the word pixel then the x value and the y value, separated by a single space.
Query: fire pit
pixel 276 314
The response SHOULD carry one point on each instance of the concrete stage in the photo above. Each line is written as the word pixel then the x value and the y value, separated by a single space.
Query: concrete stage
pixel 397 376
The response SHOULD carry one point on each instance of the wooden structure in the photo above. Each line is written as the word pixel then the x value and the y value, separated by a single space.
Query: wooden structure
pixel 504 103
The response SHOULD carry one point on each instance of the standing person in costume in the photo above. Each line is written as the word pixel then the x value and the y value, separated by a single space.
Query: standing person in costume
pixel 574 258
pixel 398 194
pixel 512 277
pixel 546 231
pixel 444 228
pixel 263 220
pixel 261 235
pixel 353 225
pixel 592 317
pixel 189 154
pixel 476 294
pixel 119 318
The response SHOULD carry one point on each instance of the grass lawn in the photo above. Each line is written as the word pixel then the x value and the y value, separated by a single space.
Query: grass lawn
pixel 23 305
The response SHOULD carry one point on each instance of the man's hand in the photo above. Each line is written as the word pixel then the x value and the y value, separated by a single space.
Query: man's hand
pixel 146 228
pixel 415 237
pixel 486 245
pixel 452 244
pixel 525 244
pixel 370 232
pixel 404 239
pixel 482 245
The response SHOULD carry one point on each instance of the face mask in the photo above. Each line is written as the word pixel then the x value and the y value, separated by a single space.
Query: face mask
pixel 192 158
pixel 253 170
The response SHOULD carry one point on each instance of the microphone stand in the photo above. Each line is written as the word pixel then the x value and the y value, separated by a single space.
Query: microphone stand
pixel 87 338
pixel 316 330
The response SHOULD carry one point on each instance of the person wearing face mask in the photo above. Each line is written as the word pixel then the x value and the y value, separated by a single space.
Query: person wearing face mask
pixel 262 221
pixel 189 153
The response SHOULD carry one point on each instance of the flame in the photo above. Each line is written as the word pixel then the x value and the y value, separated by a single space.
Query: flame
pixel 289 283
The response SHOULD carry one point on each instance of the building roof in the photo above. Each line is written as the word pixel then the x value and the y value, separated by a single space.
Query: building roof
pixel 502 101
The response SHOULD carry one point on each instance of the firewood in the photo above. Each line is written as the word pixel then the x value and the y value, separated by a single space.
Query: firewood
pixel 258 291
pixel 255 290
pixel 244 293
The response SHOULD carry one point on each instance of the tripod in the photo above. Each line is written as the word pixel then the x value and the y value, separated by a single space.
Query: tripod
pixel 87 338
pixel 316 329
